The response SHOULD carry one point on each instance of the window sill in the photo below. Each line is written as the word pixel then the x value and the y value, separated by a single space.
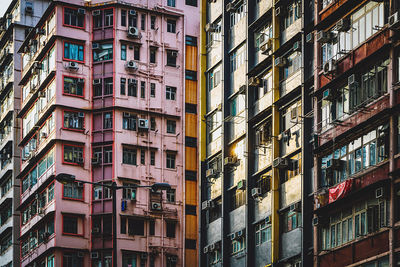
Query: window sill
pixel 73 130
pixel 73 199
pixel 73 95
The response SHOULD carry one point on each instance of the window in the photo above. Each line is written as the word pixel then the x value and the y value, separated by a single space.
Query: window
pixel 171 25
pixel 171 195
pixel 104 52
pixel 293 64
pixel 70 224
pixel 107 120
pixel 171 126
pixel 291 221
pixel 71 259
pixel 142 89
pixel 136 52
pixel 73 18
pixel 293 13
pixel 263 232
pixel 123 52
pixel 132 19
pixel 152 123
pixel 153 22
pixel 152 90
pixel 97 18
pixel 171 229
pixel 129 193
pixel 73 190
pixel 129 121
pixel 191 40
pixel 108 17
pixel 152 158
pixel 142 157
pixel 132 87
pixel 73 120
pixel 100 192
pixel 135 226
pixel 191 108
pixel 238 245
pixel 107 151
pixel 171 3
pixel 129 259
pixel 123 86
pixel 73 86
pixel 170 93
pixel 129 156
pixel 171 161
pixel 238 198
pixel 171 58
pixel 239 13
pixel 73 52
pixel 73 154
pixel 108 86
pixel 123 18
pixel 354 222
pixel 152 227
pixel 191 2
pixel 143 22
pixel 153 51
pixel 237 58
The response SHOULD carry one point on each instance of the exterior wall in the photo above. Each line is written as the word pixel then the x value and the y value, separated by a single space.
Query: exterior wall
pixel 92 244
pixel 12 34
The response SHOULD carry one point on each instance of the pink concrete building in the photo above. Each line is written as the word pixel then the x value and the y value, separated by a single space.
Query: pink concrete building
pixel 103 98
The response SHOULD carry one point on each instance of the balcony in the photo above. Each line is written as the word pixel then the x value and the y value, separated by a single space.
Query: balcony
pixel 48 211
pixel 291 31
pixel 7 166
pixel 291 191
pixel 48 174
pixel 290 83
pixel 214 10
pixel 214 98
pixel 9 195
pixel 237 126
pixel 214 146
pixel 262 104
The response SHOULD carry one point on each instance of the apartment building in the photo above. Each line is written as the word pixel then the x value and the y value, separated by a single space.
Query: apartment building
pixel 109 94
pixel 17 21
pixel 255 155
pixel 355 133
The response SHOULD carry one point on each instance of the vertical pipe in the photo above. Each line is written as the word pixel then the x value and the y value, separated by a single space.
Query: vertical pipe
pixel 114 224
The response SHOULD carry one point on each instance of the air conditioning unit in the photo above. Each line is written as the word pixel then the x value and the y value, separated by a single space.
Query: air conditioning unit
pixel 268 220
pixel 97 82
pixel 329 95
pixel 132 65
pixel 156 206
pixel 324 37
pixel 72 65
pixel 205 250
pixel 309 38
pixel 132 12
pixel 207 204
pixel 329 66
pixel 280 62
pixel 296 207
pixel 255 192
pixel 266 46
pixel 95 161
pixel 232 236
pixel 254 81
pixel 230 7
pixel 133 32
pixel 40 31
pixel 211 173
pixel 231 160
pixel 278 11
pixel 81 11
pixel 241 185
pixel 94 255
pixel 212 247
pixel 96 13
pixel 211 27
pixel 351 80
pixel 96 46
pixel 281 163
pixel 42 94
pixel 95 230
pixel 379 192
pixel 79 160
pixel 297 46
pixel 143 124
pixel 394 20
pixel 343 25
